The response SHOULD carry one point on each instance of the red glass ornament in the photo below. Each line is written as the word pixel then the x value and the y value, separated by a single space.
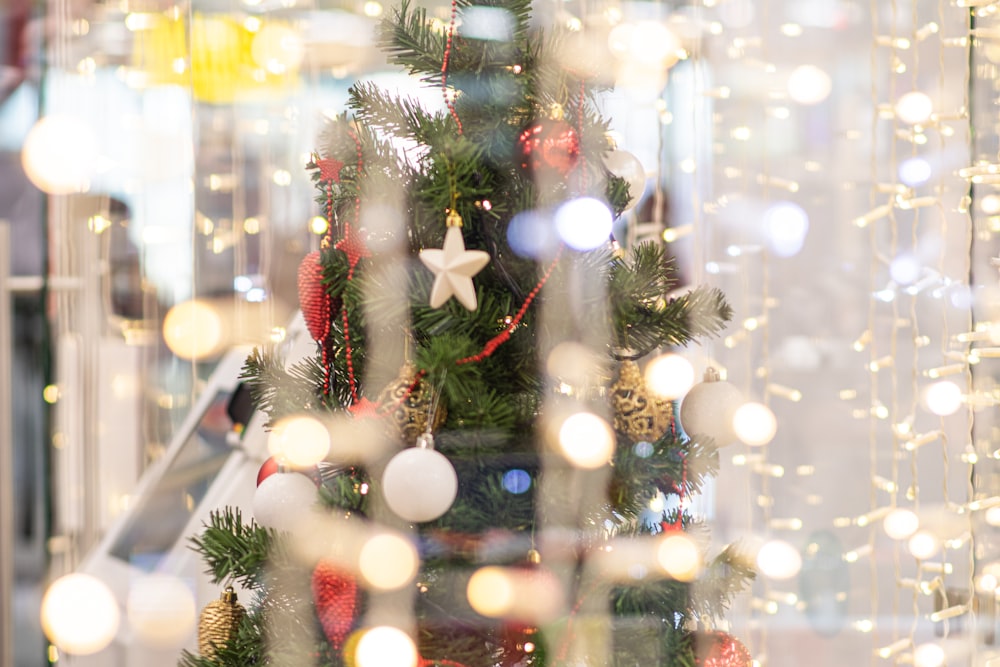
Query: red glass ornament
pixel 269 468
pixel 335 594
pixel 719 649
pixel 313 299
pixel 548 146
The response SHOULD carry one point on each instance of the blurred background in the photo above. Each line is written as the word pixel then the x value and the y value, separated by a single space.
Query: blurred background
pixel 830 164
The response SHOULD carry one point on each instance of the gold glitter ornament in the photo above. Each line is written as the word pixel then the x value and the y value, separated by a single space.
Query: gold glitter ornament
pixel 219 622
pixel 638 414
pixel 409 409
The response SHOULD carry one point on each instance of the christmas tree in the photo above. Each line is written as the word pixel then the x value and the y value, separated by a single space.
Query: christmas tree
pixel 477 337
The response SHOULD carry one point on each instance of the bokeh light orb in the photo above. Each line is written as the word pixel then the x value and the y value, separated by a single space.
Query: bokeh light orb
pixel 584 223
pixel 193 330
pixel 530 234
pixel 388 562
pixel 161 610
pixel 943 398
pixel 300 441
pixel 923 545
pixel 899 524
pixel 905 269
pixel 778 559
pixel 808 84
pixel 490 591
pixel 915 171
pixel 60 154
pixel 914 108
pixel 928 655
pixel 785 227
pixel 385 646
pixel 586 440
pixel 679 557
pixel 79 614
pixel 755 424
pixel 669 376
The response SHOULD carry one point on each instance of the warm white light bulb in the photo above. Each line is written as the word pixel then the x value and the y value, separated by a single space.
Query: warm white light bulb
pixel 993 516
pixel 754 424
pixel 914 108
pixel 679 557
pixel 778 559
pixel 388 562
pixel 299 441
pixel 899 524
pixel 586 440
pixel 79 614
pixel 669 376
pixel 60 154
pixel 809 85
pixel 193 330
pixel 490 591
pixel 943 398
pixel 923 545
pixel 928 655
pixel 385 646
pixel 990 204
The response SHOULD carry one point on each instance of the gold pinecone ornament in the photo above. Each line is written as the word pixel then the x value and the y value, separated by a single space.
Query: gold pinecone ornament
pixel 638 413
pixel 219 622
pixel 409 409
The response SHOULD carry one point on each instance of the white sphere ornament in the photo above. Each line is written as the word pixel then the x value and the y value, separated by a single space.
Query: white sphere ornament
pixel 79 614
pixel 626 166
pixel 707 409
pixel 282 498
pixel 419 484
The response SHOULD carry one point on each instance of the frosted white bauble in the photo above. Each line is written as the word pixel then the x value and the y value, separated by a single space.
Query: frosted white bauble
pixel 707 411
pixel 282 498
pixel 79 614
pixel 419 484
pixel 627 166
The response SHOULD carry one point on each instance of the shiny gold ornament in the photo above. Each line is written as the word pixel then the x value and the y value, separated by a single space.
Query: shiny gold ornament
pixel 638 414
pixel 219 622
pixel 408 405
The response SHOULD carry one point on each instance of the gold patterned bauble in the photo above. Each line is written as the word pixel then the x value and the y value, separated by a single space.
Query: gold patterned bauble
pixel 638 414
pixel 408 402
pixel 219 622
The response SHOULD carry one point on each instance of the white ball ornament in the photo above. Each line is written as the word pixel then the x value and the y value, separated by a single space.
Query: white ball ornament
pixel 419 484
pixel 282 498
pixel 627 166
pixel 707 409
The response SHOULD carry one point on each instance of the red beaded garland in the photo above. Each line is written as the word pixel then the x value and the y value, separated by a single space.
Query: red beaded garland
pixel 719 649
pixel 335 594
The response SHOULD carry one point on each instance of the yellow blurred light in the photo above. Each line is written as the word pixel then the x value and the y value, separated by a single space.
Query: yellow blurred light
pixel 943 398
pixel 385 646
pixel 79 614
pixel 388 562
pixel 318 225
pixel 193 330
pixel 50 394
pixel 281 177
pixel 490 592
pixel 252 23
pixel 669 376
pixel 914 108
pixel 923 545
pixel 680 557
pixel 586 440
pixel 809 85
pixel 373 9
pixel 98 223
pixel 301 441
pixel 277 48
pixel 251 226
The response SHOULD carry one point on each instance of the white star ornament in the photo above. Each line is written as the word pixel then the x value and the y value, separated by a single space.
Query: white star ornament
pixel 453 267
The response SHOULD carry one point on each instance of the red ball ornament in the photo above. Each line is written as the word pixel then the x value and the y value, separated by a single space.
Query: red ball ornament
pixel 548 147
pixel 719 649
pixel 269 468
pixel 335 594
pixel 313 299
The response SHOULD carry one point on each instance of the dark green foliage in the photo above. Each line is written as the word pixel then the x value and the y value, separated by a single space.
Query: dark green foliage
pixel 493 400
